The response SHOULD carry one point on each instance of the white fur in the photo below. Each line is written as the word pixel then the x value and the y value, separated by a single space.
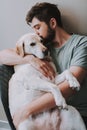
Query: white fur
pixel 28 84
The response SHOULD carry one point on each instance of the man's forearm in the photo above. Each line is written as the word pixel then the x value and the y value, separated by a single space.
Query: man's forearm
pixel 43 103
pixel 10 57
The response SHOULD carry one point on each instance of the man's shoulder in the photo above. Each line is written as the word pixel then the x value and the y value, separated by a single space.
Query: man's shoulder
pixel 80 39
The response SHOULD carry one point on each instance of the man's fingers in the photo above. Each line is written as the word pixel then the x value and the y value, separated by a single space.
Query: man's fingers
pixel 47 71
pixel 44 67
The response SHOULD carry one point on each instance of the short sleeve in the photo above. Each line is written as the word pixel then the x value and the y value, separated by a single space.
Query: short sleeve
pixel 79 57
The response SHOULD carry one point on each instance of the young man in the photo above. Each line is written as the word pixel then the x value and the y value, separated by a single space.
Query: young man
pixel 68 52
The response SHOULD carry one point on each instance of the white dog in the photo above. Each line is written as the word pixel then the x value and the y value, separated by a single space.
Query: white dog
pixel 28 84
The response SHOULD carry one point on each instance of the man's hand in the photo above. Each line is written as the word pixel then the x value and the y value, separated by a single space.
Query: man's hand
pixel 43 66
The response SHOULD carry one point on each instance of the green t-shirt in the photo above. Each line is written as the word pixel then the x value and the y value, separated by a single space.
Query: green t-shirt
pixel 73 53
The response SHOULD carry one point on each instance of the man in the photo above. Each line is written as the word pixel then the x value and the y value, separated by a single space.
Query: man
pixel 68 52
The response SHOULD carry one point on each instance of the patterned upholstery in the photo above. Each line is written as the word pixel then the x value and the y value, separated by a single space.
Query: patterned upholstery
pixel 5 75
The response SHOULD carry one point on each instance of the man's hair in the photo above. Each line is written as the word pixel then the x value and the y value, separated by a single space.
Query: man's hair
pixel 44 12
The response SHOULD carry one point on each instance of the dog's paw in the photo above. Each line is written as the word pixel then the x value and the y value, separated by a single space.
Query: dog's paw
pixel 61 103
pixel 73 82
pixel 59 99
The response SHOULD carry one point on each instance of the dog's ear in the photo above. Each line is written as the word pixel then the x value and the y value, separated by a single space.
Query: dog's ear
pixel 20 48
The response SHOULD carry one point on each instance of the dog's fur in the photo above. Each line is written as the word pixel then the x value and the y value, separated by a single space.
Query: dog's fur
pixel 28 84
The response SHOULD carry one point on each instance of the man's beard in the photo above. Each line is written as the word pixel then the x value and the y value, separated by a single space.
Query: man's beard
pixel 50 36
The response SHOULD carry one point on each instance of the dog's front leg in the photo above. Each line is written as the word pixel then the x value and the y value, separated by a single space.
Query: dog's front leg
pixel 67 75
pixel 46 86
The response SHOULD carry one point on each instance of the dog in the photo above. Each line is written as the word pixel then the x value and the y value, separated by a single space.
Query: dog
pixel 28 84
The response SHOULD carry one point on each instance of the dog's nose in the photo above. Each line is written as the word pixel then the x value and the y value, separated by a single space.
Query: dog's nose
pixel 45 52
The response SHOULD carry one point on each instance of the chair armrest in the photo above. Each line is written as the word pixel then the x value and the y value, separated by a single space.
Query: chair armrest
pixel 5 74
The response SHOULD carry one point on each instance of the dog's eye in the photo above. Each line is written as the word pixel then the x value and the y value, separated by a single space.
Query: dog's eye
pixel 41 41
pixel 33 44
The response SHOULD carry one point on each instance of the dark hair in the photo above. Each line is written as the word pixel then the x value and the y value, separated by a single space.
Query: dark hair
pixel 44 12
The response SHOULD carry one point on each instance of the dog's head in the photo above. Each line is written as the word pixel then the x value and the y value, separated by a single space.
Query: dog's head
pixel 31 44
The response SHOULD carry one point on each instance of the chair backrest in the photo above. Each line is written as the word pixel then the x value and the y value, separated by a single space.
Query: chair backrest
pixel 5 74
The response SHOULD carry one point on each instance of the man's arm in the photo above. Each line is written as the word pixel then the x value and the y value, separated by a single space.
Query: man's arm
pixel 10 57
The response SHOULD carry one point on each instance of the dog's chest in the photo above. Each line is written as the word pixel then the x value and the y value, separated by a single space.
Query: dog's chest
pixel 21 83
pixel 25 69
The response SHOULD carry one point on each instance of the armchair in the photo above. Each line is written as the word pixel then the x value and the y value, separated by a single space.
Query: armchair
pixel 5 74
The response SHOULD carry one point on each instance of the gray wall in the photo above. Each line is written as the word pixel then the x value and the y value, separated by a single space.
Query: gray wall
pixel 13 12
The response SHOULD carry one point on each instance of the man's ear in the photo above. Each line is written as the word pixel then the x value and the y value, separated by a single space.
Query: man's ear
pixel 20 48
pixel 53 23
